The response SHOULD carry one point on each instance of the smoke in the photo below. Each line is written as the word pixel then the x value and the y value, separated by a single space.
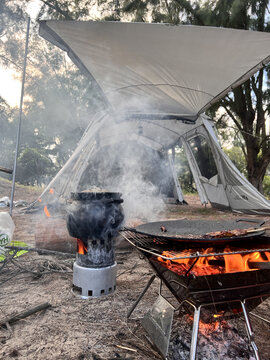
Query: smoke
pixel 139 173
pixel 142 199
pixel 121 155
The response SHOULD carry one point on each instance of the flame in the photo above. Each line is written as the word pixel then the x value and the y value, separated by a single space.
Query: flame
pixel 216 316
pixel 238 262
pixel 51 191
pixel 46 211
pixel 81 247
pixel 213 264
pixel 206 328
pixel 39 200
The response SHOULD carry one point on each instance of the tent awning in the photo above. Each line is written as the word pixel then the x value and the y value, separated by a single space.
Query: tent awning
pixel 160 69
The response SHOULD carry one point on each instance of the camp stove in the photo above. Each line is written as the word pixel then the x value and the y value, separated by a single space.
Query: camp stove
pixel 94 219
pixel 227 280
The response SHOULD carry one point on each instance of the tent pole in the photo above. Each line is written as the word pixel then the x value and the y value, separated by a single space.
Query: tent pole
pixel 20 118
pixel 195 171
pixel 175 178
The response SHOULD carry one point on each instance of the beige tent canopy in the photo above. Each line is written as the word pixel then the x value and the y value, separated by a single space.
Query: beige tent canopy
pixel 160 69
pixel 156 81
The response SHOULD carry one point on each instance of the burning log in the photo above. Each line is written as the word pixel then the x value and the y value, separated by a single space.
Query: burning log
pixel 224 281
pixel 218 340
pixel 259 265
pixel 207 265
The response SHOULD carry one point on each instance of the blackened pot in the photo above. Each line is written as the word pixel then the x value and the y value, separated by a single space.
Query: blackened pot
pixel 95 218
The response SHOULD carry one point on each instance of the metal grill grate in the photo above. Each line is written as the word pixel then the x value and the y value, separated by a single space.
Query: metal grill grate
pixel 177 250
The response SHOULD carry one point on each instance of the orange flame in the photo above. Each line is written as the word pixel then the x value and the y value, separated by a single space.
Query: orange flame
pixel 238 263
pixel 206 328
pixel 81 248
pixel 51 191
pixel 46 211
pixel 39 200
pixel 213 264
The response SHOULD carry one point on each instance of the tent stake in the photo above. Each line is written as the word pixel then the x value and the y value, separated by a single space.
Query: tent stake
pixel 20 118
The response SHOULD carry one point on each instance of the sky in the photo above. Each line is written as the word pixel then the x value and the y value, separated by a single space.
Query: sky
pixel 10 85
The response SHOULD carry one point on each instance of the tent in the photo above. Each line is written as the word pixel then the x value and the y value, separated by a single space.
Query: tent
pixel 157 81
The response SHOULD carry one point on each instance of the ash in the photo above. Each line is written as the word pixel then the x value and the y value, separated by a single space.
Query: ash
pixel 217 340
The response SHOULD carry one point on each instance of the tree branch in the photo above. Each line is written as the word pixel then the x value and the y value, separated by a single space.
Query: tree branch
pixel 237 123
pixel 168 10
pixel 58 9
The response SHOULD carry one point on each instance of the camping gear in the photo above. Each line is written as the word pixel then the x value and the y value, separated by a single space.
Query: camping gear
pixel 94 218
pixel 209 282
pixel 6 229
pixel 156 81
pixel 199 231
pixel 160 71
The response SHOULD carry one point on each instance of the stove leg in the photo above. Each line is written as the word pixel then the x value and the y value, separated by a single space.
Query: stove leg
pixel 133 307
pixel 250 332
pixel 195 330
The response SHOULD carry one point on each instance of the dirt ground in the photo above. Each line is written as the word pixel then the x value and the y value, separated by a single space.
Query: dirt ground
pixel 95 329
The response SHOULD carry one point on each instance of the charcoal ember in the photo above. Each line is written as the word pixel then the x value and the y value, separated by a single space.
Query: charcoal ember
pixel 217 340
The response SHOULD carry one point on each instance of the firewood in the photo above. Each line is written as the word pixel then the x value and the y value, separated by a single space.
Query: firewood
pixel 5 170
pixel 259 264
pixel 22 315
pixel 126 348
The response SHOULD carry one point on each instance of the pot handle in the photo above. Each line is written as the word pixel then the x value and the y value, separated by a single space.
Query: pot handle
pixel 258 222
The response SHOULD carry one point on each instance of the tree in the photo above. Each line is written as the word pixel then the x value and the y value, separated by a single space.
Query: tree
pixel 33 167
pixel 49 71
pixel 248 105
pixel 7 135
pixel 58 98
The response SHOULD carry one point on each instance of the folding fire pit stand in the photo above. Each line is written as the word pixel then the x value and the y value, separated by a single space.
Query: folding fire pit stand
pixel 157 322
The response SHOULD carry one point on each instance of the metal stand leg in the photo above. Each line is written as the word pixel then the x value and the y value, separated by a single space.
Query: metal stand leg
pixel 140 296
pixel 195 329
pixel 260 317
pixel 250 332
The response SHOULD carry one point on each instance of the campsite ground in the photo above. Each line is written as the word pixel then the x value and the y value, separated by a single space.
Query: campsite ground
pixel 96 329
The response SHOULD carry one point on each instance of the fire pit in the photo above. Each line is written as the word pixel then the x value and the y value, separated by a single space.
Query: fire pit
pixel 94 218
pixel 226 278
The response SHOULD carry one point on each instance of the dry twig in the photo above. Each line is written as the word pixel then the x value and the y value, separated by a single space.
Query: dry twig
pixel 13 318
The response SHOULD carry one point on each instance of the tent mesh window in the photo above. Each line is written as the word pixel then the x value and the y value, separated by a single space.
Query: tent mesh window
pixel 204 157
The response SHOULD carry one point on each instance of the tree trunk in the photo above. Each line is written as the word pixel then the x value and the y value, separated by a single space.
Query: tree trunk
pixel 256 173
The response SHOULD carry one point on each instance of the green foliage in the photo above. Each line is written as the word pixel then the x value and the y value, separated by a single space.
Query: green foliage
pixel 65 9
pixel 33 167
pixel 7 135
pixel 237 157
pixel 266 186
pixel 58 101
pixel 183 171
